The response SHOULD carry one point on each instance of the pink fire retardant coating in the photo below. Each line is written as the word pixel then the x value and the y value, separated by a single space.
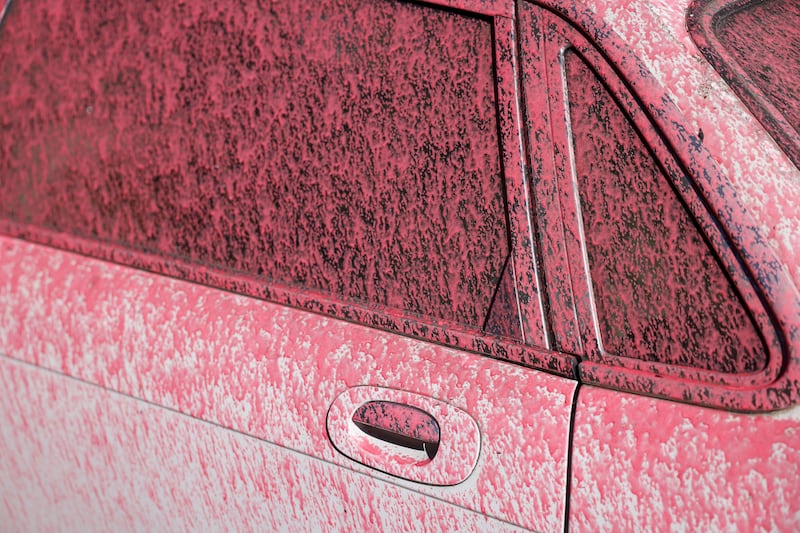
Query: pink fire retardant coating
pixel 459 437
pixel 272 372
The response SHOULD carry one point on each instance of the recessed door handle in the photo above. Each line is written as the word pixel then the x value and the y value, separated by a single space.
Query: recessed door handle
pixel 399 424
pixel 405 434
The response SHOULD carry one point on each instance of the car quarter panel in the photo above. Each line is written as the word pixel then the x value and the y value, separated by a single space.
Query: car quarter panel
pixel 720 204
pixel 764 178
pixel 645 464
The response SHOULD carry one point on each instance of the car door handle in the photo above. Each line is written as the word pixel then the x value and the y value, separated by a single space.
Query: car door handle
pixel 404 434
pixel 400 424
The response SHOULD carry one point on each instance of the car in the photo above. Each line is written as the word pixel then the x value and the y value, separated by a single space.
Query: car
pixel 462 265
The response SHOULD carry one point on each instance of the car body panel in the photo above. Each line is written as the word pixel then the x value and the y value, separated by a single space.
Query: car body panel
pixel 761 175
pixel 647 464
pixel 88 459
pixel 230 375
pixel 752 266
pixel 762 71
pixel 175 180
pixel 272 372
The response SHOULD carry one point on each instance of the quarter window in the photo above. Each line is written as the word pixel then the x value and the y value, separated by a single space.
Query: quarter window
pixel 659 292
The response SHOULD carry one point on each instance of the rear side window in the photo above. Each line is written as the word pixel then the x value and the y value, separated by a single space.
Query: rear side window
pixel 755 46
pixel 659 292
pixel 361 164
pixel 655 275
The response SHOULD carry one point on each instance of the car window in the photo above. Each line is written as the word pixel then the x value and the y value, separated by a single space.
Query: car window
pixel 362 165
pixel 656 277
pixel 659 292
pixel 755 46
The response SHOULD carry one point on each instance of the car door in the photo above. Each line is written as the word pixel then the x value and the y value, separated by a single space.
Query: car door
pixel 229 227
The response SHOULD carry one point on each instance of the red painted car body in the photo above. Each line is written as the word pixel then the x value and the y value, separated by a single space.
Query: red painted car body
pixel 452 265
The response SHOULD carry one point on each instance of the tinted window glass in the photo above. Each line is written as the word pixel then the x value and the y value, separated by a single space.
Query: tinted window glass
pixel 660 294
pixel 755 46
pixel 348 148
pixel 764 38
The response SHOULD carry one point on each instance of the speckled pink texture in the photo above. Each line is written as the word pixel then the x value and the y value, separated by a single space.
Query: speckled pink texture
pixel 545 162
pixel 755 47
pixel 772 64
pixel 373 173
pixel 242 364
pixel 458 437
pixel 659 292
pixel 397 417
pixel 362 163
pixel 761 174
pixel 758 272
pixel 272 372
pixel 642 464
pixel 80 458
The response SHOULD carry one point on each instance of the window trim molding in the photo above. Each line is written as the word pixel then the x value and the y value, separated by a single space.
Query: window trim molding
pixel 532 351
pixel 762 281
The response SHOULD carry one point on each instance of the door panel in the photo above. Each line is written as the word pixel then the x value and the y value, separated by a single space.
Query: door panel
pixel 643 464
pixel 88 459
pixel 372 173
pixel 272 372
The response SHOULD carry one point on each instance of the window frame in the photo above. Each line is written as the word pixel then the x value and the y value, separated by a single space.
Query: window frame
pixel 765 288
pixel 533 350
